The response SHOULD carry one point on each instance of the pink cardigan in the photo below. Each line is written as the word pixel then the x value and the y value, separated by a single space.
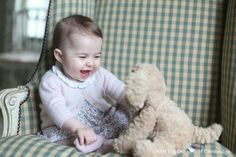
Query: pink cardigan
pixel 61 97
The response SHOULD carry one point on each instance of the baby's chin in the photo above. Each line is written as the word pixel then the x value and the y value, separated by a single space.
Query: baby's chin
pixel 82 79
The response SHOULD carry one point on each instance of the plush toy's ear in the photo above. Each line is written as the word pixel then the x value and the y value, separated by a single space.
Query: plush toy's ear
pixel 136 89
pixel 156 81
pixel 159 82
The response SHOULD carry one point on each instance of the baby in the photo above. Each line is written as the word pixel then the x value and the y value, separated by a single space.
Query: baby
pixel 75 92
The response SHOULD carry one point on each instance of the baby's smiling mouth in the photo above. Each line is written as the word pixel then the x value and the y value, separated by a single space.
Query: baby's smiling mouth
pixel 85 73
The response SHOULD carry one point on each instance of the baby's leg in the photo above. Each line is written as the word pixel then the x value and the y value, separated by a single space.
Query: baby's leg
pixel 91 147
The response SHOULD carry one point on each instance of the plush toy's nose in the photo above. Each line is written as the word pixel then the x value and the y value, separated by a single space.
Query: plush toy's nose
pixel 135 68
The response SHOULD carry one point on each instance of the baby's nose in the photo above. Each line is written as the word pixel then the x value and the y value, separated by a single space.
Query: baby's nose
pixel 89 63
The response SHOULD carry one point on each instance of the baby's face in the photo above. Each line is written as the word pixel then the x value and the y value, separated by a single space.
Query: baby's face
pixel 81 56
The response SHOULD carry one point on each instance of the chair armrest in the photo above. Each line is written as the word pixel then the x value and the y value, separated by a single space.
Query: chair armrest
pixel 10 101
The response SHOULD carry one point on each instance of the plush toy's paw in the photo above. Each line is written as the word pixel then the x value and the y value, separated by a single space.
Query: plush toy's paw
pixel 123 146
pixel 159 147
pixel 142 148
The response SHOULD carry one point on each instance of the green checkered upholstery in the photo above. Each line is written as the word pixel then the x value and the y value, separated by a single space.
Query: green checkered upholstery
pixel 180 37
pixel 29 112
pixel 228 79
pixel 188 40
pixel 32 145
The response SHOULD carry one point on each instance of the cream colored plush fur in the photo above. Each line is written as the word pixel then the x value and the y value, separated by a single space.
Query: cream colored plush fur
pixel 160 128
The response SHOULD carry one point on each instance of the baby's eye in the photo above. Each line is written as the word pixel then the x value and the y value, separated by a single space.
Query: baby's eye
pixel 82 57
pixel 97 56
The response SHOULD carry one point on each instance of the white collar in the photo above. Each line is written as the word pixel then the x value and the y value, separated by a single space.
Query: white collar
pixel 57 69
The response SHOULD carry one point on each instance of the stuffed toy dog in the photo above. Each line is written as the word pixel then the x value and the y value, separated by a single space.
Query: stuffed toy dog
pixel 160 127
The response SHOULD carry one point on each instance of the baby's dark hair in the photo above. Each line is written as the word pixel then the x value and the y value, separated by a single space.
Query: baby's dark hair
pixel 74 24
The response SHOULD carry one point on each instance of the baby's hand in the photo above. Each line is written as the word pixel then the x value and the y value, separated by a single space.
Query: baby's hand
pixel 86 135
pixel 90 148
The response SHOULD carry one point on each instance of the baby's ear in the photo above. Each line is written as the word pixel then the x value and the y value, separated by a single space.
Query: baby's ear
pixel 136 89
pixel 58 55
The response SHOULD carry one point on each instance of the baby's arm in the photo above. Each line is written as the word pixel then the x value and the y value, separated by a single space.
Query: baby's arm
pixel 85 134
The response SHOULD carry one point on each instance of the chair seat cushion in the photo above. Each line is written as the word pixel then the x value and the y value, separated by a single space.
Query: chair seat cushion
pixel 33 145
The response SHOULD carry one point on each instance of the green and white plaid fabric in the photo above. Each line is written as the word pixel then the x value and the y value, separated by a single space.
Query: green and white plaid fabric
pixel 35 146
pixel 228 79
pixel 183 38
pixel 29 113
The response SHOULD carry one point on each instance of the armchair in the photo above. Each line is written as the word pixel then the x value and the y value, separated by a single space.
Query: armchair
pixel 192 42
